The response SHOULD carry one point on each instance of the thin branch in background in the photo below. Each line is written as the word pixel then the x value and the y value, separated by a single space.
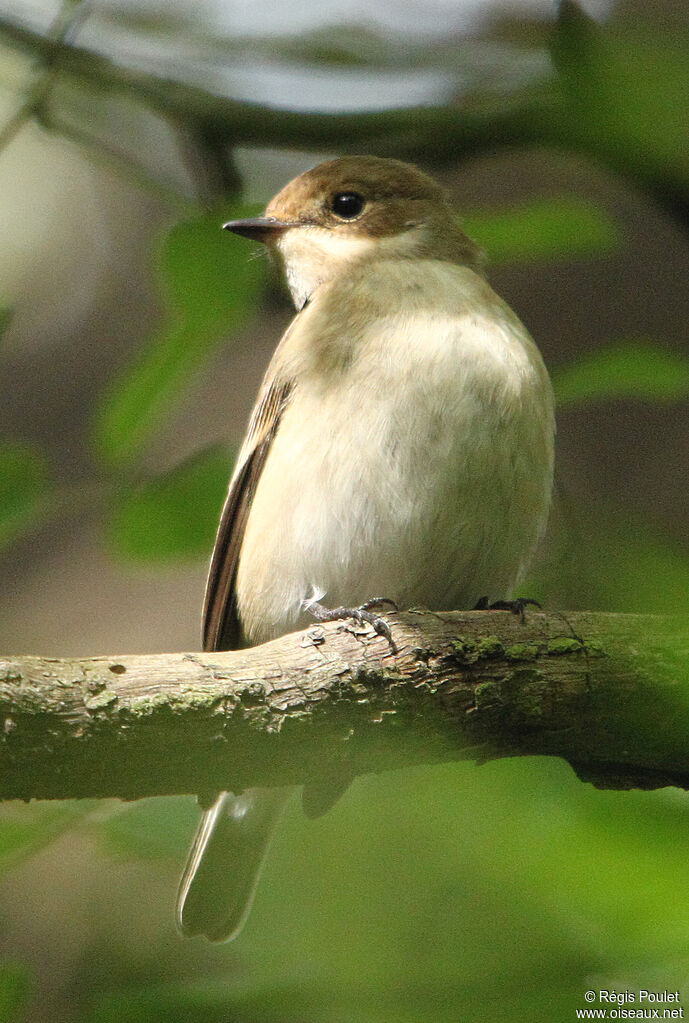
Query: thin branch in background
pixel 434 132
pixel 70 19
pixel 209 157
pixel 206 150
pixel 63 30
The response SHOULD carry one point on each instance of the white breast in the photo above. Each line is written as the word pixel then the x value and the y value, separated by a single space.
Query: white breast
pixel 415 461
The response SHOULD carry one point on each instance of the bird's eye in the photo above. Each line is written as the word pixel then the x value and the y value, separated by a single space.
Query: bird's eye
pixel 347 205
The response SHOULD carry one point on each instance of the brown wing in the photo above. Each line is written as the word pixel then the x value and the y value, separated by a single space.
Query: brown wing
pixel 221 625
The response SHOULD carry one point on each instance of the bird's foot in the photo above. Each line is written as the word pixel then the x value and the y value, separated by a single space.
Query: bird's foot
pixel 362 615
pixel 517 606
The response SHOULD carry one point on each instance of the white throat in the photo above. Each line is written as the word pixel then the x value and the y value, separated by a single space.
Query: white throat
pixel 311 255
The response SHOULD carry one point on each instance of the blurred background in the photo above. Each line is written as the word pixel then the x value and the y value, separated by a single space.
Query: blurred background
pixel 134 336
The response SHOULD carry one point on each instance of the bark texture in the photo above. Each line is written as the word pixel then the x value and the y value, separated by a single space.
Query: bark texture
pixel 609 693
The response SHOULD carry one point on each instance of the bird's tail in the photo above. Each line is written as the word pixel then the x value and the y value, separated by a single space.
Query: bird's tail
pixel 225 861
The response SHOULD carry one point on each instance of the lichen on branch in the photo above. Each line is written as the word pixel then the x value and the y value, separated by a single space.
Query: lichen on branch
pixel 609 693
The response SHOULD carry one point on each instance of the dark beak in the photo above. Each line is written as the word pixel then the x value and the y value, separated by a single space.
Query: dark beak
pixel 261 229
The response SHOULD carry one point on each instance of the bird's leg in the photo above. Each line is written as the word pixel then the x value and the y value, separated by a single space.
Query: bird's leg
pixel 362 615
pixel 516 606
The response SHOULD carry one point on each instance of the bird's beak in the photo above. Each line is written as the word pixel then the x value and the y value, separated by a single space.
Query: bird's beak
pixel 261 229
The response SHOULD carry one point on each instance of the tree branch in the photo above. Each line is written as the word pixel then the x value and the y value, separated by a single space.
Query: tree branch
pixel 609 693
pixel 434 131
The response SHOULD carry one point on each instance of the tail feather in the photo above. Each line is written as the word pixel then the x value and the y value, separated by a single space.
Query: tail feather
pixel 225 861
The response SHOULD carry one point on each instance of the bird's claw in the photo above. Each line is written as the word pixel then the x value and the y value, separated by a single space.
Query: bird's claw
pixel 363 615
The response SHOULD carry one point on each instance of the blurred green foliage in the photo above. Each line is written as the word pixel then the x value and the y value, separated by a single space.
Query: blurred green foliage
pixel 497 893
pixel 210 285
pixel 23 478
pixel 23 486
pixel 176 515
pixel 627 94
pixel 625 563
pixel 560 228
pixel 15 983
pixel 633 368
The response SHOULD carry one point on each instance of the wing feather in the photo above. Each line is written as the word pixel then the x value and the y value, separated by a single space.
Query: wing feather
pixel 221 625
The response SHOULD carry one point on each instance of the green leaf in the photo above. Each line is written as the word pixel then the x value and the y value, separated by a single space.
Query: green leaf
pixel 176 515
pixel 635 568
pixel 14 992
pixel 544 229
pixel 604 558
pixel 210 283
pixel 633 368
pixel 627 95
pixel 22 488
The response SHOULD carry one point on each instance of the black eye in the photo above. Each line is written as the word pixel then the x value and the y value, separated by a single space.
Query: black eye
pixel 347 205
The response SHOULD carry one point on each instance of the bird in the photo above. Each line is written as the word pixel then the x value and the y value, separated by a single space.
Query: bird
pixel 401 445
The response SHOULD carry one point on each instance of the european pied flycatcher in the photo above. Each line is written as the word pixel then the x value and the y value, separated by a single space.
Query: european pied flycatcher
pixel 401 446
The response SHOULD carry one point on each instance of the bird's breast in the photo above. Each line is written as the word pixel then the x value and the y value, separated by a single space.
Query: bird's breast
pixel 414 462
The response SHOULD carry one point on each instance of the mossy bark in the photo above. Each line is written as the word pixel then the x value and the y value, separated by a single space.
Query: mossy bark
pixel 609 693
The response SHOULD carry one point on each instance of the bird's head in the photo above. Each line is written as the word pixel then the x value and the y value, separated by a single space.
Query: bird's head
pixel 356 208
